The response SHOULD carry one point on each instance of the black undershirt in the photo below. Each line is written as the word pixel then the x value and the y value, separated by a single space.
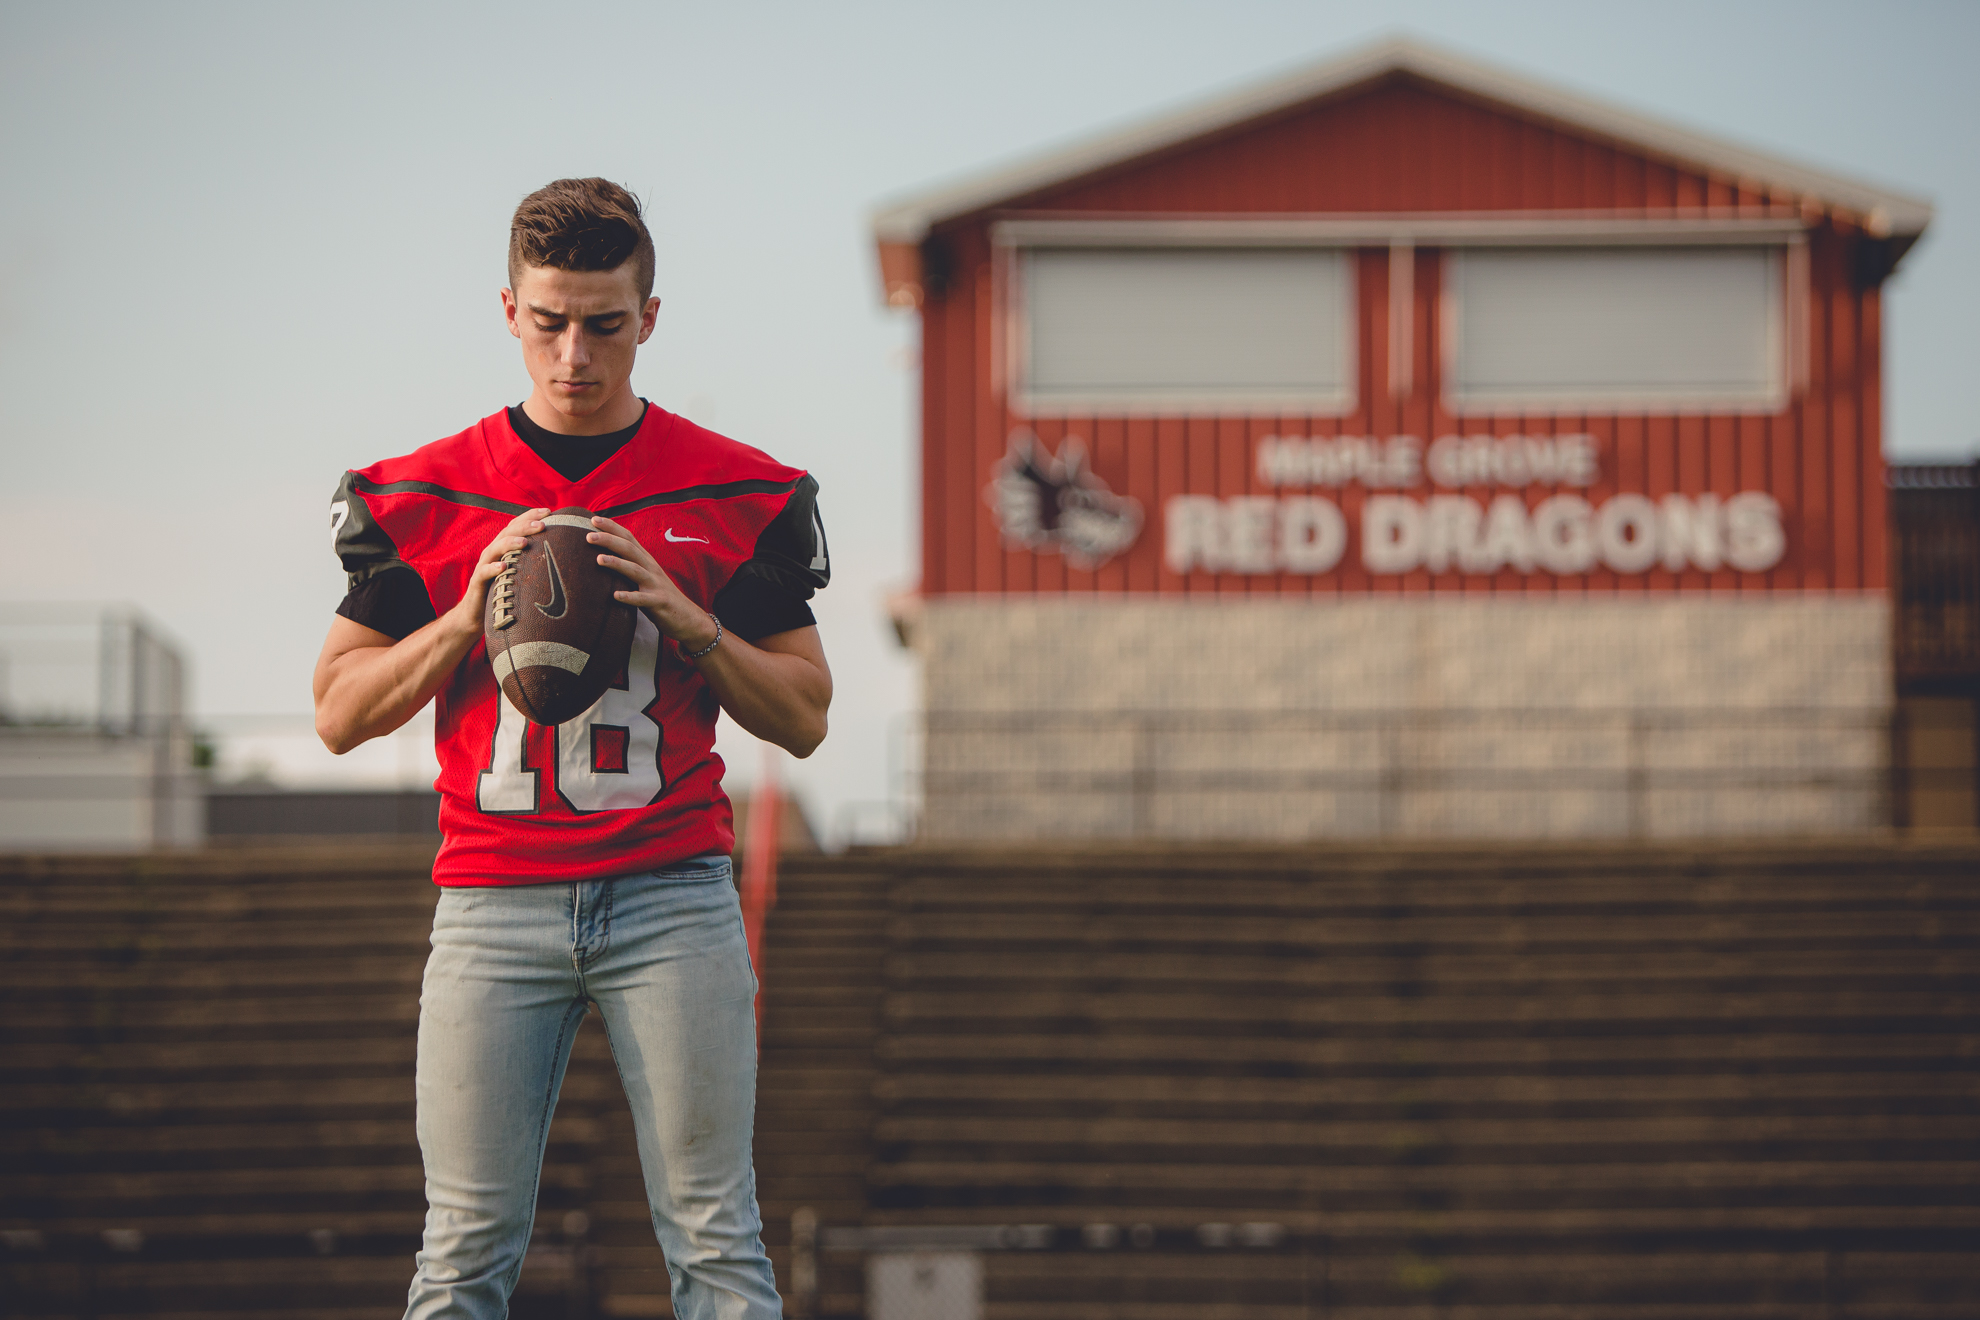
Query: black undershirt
pixel 395 602
pixel 574 456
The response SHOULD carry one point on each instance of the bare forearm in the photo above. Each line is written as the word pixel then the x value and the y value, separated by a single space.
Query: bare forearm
pixel 370 691
pixel 777 689
pixel 367 684
pixel 778 697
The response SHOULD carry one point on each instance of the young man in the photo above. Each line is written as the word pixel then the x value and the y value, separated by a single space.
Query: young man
pixel 587 863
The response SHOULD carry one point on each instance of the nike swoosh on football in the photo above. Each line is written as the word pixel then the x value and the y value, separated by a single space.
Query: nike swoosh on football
pixel 700 540
pixel 558 604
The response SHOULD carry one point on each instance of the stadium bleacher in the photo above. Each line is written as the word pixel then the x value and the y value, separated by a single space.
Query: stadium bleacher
pixel 1590 1082
pixel 1619 1083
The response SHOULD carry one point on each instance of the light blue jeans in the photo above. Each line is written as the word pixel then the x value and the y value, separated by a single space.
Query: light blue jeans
pixel 512 971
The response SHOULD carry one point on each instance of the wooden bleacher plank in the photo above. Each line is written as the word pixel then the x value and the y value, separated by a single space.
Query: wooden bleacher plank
pixel 1524 1054
pixel 1687 1081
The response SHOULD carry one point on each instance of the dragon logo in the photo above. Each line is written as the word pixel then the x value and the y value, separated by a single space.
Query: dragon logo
pixel 1047 502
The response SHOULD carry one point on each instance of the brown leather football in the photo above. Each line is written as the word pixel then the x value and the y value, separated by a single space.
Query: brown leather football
pixel 555 636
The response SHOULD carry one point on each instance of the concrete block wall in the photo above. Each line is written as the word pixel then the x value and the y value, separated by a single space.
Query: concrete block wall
pixel 1487 717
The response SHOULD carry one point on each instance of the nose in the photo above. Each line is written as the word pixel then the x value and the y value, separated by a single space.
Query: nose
pixel 577 349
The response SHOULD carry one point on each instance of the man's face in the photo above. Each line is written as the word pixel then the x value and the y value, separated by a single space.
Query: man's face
pixel 579 331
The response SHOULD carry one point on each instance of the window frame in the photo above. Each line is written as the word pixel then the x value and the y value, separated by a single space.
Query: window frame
pixel 1013 254
pixel 1782 330
pixel 1352 236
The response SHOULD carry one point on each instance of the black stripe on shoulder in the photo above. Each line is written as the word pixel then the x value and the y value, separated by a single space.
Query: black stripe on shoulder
pixel 720 491
pixel 370 487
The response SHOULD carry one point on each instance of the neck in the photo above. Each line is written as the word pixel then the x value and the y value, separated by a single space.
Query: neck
pixel 619 412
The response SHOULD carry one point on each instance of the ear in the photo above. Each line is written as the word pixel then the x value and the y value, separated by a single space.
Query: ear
pixel 647 316
pixel 509 313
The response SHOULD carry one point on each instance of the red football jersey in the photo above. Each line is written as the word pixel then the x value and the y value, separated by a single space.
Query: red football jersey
pixel 634 782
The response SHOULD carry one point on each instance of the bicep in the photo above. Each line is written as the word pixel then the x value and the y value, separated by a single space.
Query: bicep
pixel 804 643
pixel 346 637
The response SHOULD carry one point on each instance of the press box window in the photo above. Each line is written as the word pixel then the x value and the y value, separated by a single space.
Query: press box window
pixel 1183 330
pixel 1592 329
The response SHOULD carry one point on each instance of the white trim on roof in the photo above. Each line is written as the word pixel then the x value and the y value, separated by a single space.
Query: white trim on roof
pixel 910 219
pixel 1367 229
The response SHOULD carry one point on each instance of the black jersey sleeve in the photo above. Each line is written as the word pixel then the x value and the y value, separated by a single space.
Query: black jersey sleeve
pixel 791 563
pixel 393 602
pixel 382 591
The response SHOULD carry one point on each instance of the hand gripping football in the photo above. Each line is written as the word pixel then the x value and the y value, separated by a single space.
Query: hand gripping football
pixel 555 636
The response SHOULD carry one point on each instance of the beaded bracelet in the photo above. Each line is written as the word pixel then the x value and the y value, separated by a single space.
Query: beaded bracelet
pixel 696 655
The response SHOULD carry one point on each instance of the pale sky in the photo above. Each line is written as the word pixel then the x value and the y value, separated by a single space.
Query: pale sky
pixel 249 246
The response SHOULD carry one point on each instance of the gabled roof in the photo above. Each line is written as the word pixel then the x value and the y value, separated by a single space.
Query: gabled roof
pixel 909 220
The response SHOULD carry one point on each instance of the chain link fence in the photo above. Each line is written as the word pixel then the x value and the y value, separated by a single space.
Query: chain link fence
pixel 95 746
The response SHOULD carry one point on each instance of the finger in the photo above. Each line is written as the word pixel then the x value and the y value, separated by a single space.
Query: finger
pixel 500 550
pixel 616 537
pixel 638 576
pixel 634 569
pixel 502 545
pixel 624 549
pixel 513 537
pixel 657 606
pixel 631 544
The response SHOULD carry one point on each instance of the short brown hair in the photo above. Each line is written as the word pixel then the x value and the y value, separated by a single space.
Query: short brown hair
pixel 581 224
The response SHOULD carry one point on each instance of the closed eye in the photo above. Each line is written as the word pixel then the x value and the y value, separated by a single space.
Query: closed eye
pixel 597 327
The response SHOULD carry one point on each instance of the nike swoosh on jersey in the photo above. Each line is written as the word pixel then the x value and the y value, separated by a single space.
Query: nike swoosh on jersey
pixel 699 540
pixel 558 604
